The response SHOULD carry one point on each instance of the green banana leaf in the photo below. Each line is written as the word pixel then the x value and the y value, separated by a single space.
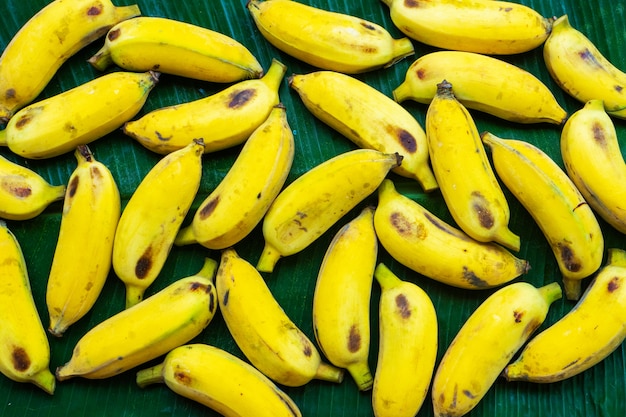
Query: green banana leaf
pixel 601 391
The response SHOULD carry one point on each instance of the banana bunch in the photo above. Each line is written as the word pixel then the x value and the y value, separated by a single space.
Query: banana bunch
pixel 328 40
pixel 368 118
pixel 485 344
pixel 551 198
pixel 223 120
pixel 165 320
pixel 196 371
pixel 46 41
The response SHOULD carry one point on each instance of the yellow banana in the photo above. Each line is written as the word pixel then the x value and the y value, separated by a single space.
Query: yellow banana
pixel 551 198
pixel 317 199
pixel 174 47
pixel 424 243
pixel 482 26
pixel 368 118
pixel 46 41
pixel 270 340
pixel 485 344
pixel 82 258
pixel 78 116
pixel 196 371
pixel 328 40
pixel 233 209
pixel 407 348
pixel 466 180
pixel 152 217
pixel 165 320
pixel 482 83
pixel 223 120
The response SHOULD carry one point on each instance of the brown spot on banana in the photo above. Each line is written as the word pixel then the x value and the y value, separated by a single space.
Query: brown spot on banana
pixel 587 56
pixel 403 306
pixel 485 217
pixel 183 378
pixel 405 138
pixel 114 34
pixel 20 359
pixel 18 190
pixel 368 26
pixel 207 209
pixel 240 97
pixel 473 279
pixel 94 10
pixel 411 3
pixel 225 298
pixel 10 93
pixel 144 264
pixel 613 284
pixel 568 258
pixel 73 186
pixel 598 134
pixel 161 137
pixel 212 303
pixel 518 315
pixel 23 121
pixel 421 73
pixel 354 339
pixel 468 393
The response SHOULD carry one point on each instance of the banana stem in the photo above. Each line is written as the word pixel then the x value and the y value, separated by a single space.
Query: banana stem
pixel 328 372
pixel 275 74
pixel 149 376
pixel 551 292
pixel 134 295
pixel 102 59
pixel 384 276
pixel 45 380
pixel 572 288
pixel 185 237
pixel 269 258
pixel 362 375
pixel 208 268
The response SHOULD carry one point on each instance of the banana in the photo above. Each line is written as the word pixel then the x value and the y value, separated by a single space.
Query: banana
pixel 270 340
pixel 165 320
pixel 485 344
pixel 328 40
pixel 482 83
pixel 174 47
pixel 582 338
pixel 341 301
pixel 196 371
pixel 46 41
pixel 78 116
pixel 467 182
pixel 82 257
pixel 317 199
pixel 407 348
pixel 481 26
pixel 152 217
pixel 425 244
pixel 223 120
pixel 368 118
pixel 551 198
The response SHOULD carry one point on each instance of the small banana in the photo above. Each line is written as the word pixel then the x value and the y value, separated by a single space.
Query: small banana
pixel 407 348
pixel 24 351
pixel 270 340
pixel 46 41
pixel 482 83
pixel 223 120
pixel 152 217
pixel 467 182
pixel 368 118
pixel 167 319
pixel 58 124
pixel 82 257
pixel 317 199
pixel 328 40
pixel 485 344
pixel 424 243
pixel 196 371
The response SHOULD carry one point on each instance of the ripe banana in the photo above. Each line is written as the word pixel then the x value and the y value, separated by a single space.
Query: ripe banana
pixel 196 371
pixel 407 348
pixel 223 120
pixel 82 257
pixel 485 344
pixel 328 40
pixel 368 118
pixel 482 83
pixel 168 319
pixel 24 351
pixel 465 177
pixel 179 48
pixel 481 26
pixel 317 199
pixel 78 116
pixel 551 198
pixel 263 331
pixel 152 217
pixel 46 41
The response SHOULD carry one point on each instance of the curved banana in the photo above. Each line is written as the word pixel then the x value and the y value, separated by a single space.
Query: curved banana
pixel 424 243
pixel 407 348
pixel 82 257
pixel 223 120
pixel 482 83
pixel 168 319
pixel 196 371
pixel 328 40
pixel 174 47
pixel 368 118
pixel 152 217
pixel 262 330
pixel 466 180
pixel 78 116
